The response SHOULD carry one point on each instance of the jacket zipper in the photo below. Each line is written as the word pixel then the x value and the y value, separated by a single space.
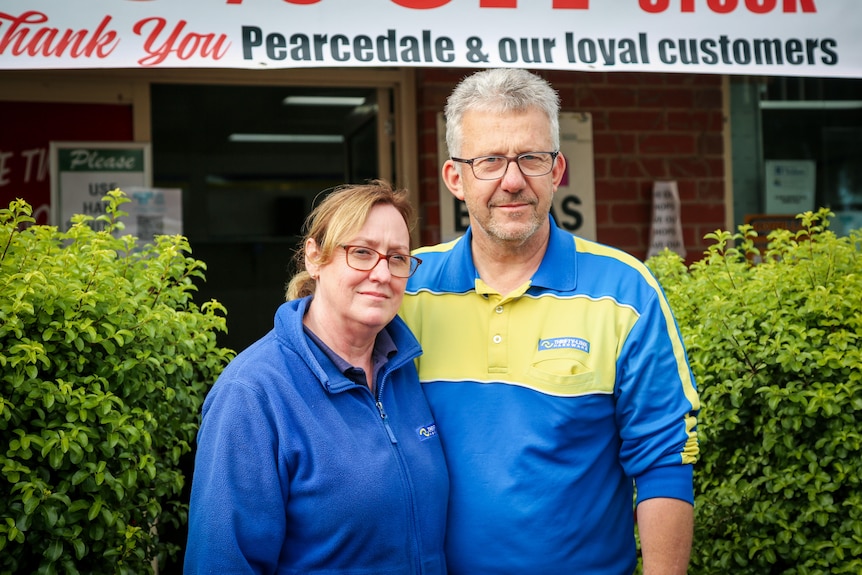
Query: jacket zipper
pixel 404 473
pixel 378 401
pixel 385 419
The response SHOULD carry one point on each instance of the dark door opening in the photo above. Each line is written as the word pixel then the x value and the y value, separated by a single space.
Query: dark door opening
pixel 251 160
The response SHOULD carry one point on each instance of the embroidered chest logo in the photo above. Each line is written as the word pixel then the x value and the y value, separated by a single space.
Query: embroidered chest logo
pixel 427 432
pixel 564 343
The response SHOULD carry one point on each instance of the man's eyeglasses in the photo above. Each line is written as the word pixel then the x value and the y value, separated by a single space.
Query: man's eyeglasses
pixel 366 259
pixel 531 164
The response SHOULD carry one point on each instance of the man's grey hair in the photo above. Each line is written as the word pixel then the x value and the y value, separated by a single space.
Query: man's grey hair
pixel 501 90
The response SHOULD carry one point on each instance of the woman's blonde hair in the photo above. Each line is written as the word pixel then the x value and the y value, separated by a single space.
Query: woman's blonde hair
pixel 340 215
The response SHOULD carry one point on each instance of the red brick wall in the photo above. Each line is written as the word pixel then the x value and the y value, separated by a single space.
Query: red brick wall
pixel 646 127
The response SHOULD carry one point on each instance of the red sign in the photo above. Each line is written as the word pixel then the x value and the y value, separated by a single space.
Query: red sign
pixel 28 127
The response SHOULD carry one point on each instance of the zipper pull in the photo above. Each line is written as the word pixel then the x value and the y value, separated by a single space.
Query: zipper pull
pixel 385 419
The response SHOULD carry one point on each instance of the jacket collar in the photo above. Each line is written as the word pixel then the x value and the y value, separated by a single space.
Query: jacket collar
pixel 289 330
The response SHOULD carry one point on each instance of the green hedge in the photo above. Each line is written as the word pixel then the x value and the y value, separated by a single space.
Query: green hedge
pixel 105 361
pixel 775 348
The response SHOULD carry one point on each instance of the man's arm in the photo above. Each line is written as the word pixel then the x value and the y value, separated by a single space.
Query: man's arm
pixel 666 528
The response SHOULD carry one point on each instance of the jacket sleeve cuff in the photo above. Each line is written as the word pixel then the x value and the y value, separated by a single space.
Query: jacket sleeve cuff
pixel 672 482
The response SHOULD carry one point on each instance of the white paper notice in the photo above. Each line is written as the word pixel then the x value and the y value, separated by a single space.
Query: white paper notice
pixel 666 229
pixel 790 186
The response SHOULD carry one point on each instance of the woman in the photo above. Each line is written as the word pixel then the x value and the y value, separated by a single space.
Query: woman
pixel 317 452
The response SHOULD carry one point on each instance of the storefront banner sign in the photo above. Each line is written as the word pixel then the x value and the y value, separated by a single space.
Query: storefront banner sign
pixel 817 38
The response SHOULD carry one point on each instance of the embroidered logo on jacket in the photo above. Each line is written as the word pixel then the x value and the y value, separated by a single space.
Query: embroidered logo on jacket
pixel 564 343
pixel 427 432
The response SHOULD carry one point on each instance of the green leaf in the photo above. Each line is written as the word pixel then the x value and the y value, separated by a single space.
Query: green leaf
pixel 95 508
pixel 54 550
pixel 97 532
pixel 79 476
pixel 50 515
pixel 31 502
pixel 80 548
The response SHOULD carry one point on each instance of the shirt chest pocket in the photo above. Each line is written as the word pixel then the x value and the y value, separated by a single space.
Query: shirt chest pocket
pixel 566 372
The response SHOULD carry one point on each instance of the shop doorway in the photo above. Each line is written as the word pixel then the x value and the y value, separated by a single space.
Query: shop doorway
pixel 252 161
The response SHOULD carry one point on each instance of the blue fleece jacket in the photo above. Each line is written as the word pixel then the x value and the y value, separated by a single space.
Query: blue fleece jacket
pixel 301 470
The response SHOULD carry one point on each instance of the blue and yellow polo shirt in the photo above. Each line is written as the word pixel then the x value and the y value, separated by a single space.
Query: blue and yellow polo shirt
pixel 552 402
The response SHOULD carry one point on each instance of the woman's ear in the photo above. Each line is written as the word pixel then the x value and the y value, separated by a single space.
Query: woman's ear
pixel 312 257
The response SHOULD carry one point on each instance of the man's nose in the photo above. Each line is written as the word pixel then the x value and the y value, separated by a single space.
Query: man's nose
pixel 513 179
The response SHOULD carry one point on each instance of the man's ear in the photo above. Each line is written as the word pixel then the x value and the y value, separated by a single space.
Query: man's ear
pixel 453 180
pixel 559 170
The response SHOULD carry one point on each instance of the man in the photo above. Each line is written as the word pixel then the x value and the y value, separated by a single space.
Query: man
pixel 554 367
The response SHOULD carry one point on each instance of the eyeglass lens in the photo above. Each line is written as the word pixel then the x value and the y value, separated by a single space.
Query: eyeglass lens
pixel 364 259
pixel 531 164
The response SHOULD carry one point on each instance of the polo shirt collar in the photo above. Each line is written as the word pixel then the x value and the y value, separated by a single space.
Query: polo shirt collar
pixel 558 270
